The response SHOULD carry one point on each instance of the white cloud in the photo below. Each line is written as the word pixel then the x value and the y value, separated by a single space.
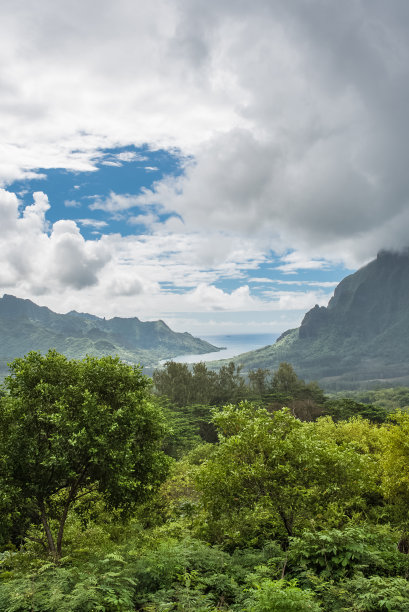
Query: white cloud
pixel 114 202
pixel 294 282
pixel 82 80
pixel 43 258
pixel 97 223
pixel 304 145
pixel 147 220
pixel 127 284
pixel 296 300
pixel 75 262
pixel 292 262
pixel 9 211
pixel 115 164
pixel 210 297
pixel 323 284
pixel 128 156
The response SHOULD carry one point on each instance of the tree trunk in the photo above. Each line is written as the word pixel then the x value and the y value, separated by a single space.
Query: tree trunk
pixel 288 522
pixel 403 544
pixel 61 528
pixel 50 540
pixel 70 499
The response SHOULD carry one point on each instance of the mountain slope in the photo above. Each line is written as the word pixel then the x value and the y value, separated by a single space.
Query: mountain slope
pixel 360 338
pixel 24 326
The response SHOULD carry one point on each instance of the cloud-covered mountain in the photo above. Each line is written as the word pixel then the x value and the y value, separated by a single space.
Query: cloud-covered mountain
pixel 24 327
pixel 359 339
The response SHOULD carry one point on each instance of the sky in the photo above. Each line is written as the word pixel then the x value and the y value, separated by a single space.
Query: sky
pixel 221 166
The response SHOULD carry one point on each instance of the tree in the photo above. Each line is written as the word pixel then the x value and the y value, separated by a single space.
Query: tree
pixel 346 408
pixel 199 386
pixel 69 428
pixel 231 386
pixel 204 383
pixel 174 381
pixel 286 381
pixel 272 474
pixel 258 381
pixel 394 461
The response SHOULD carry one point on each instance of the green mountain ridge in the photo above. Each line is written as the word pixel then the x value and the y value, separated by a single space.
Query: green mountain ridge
pixel 360 339
pixel 25 326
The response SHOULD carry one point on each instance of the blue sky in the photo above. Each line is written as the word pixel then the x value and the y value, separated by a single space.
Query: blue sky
pixel 221 167
pixel 75 195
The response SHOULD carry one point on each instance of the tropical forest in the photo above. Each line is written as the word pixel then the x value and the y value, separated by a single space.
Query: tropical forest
pixel 199 490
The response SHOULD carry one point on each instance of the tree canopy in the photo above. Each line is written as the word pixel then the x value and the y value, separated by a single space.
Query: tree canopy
pixel 69 428
pixel 272 473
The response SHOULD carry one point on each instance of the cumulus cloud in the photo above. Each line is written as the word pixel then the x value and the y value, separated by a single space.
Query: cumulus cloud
pixel 43 258
pixel 128 285
pixel 213 298
pixel 75 262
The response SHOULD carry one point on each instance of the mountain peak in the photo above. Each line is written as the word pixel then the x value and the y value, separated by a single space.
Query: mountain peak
pixel 360 338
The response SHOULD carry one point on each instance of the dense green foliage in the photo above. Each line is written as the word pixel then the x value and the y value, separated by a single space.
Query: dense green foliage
pixel 272 474
pixel 261 511
pixel 388 398
pixel 200 385
pixel 69 429
pixel 187 397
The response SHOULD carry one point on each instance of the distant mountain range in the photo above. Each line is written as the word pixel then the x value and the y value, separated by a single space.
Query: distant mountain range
pixel 25 326
pixel 361 339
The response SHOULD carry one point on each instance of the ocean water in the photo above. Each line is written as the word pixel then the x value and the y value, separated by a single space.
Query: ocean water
pixel 234 344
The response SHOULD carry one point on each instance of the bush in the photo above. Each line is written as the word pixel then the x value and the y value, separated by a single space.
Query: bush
pixel 336 553
pixel 104 585
pixel 281 596
pixel 374 594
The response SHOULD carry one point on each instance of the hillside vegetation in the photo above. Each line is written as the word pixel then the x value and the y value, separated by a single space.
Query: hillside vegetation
pixel 359 340
pixel 24 327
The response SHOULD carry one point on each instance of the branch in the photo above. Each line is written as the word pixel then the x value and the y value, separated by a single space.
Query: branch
pixel 37 540
pixel 88 492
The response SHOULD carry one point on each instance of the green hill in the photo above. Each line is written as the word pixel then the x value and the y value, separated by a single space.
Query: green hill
pixel 24 327
pixel 360 339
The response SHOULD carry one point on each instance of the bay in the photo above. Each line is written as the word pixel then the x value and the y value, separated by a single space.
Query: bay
pixel 234 344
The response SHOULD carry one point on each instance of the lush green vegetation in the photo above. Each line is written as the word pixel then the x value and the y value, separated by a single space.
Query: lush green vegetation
pixel 24 326
pixel 249 506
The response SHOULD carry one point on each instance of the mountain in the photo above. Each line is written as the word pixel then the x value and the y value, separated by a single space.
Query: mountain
pixel 25 326
pixel 360 339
